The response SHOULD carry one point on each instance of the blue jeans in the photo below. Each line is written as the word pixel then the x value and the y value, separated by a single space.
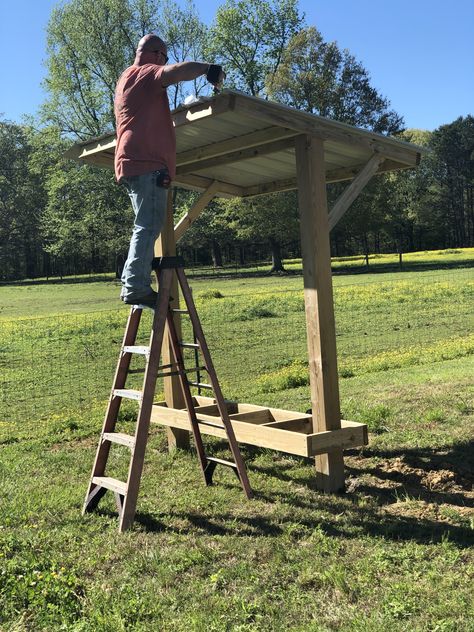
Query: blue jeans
pixel 149 205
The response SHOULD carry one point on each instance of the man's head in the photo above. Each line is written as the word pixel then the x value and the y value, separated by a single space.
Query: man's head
pixel 151 49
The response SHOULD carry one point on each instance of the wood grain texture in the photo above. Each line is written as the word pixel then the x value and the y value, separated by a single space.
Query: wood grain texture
pixel 166 247
pixel 320 324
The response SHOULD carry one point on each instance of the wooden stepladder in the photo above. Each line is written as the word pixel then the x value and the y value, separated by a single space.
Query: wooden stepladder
pixel 126 493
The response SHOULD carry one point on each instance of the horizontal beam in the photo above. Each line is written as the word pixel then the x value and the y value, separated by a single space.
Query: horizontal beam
pixel 335 175
pixel 237 143
pixel 354 189
pixel 194 212
pixel 351 434
pixel 200 183
pixel 236 156
pixel 288 184
pixel 276 114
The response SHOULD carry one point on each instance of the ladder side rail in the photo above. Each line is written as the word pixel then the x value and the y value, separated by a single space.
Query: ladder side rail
pixel 148 394
pixel 179 360
pixel 187 295
pixel 113 406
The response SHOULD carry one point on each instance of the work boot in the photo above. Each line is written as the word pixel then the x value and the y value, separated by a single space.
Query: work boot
pixel 146 300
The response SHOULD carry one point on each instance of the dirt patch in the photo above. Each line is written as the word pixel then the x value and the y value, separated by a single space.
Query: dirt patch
pixel 415 487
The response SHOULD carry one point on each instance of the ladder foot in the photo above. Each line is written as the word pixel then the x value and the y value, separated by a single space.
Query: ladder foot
pixel 209 471
pixel 93 498
pixel 210 468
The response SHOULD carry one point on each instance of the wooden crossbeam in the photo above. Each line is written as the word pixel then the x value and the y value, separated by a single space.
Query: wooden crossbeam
pixel 273 113
pixel 237 143
pixel 354 189
pixel 194 212
pixel 335 175
pixel 235 156
pixel 200 183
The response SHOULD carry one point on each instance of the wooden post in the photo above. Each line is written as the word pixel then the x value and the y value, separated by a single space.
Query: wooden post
pixel 166 246
pixel 321 331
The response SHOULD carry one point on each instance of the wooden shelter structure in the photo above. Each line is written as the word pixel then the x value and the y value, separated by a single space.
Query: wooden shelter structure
pixel 233 144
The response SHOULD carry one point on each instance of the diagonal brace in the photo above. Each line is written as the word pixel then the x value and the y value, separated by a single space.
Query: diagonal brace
pixel 354 189
pixel 194 212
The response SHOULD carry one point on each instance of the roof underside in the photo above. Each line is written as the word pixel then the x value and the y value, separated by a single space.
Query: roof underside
pixel 246 146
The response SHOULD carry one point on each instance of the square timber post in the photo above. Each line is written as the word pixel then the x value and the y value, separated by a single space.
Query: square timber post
pixel 166 246
pixel 318 295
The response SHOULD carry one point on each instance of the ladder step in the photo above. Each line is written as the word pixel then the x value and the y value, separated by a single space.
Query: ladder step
pixel 128 393
pixel 110 483
pixel 141 350
pixel 175 310
pixel 189 345
pixel 222 462
pixel 200 385
pixel 119 437
pixel 194 369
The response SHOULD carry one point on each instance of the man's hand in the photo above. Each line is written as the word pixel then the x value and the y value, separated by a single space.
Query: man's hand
pixel 188 70
pixel 215 75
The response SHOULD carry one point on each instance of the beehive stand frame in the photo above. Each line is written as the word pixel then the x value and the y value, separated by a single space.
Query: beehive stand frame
pixel 236 145
pixel 318 296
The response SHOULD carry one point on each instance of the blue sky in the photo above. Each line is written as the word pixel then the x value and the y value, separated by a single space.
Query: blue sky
pixel 419 53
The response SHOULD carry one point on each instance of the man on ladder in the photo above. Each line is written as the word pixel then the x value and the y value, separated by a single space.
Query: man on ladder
pixel 145 154
pixel 145 162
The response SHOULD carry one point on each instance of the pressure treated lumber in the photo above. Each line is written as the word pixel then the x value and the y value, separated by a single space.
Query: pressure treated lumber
pixel 234 156
pixel 165 246
pixel 292 435
pixel 237 143
pixel 194 212
pixel 321 330
pixel 354 189
pixel 276 114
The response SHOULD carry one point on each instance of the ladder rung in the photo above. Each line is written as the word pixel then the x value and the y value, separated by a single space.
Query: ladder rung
pixel 128 393
pixel 119 437
pixel 110 483
pixel 142 350
pixel 189 345
pixel 200 385
pixel 222 462
pixel 135 371
pixel 175 310
pixel 194 369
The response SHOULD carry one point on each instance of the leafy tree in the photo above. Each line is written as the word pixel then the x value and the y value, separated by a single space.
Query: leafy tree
pixel 188 39
pixel 453 146
pixel 21 201
pixel 269 218
pixel 211 230
pixel 316 76
pixel 87 219
pixel 249 38
pixel 91 42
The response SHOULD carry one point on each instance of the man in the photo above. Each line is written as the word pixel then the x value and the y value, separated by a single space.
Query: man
pixel 145 155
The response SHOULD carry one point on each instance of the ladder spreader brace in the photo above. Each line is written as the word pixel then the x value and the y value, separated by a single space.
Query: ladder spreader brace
pixel 126 493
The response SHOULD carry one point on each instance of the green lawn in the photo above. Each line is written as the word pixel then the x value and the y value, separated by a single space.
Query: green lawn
pixel 393 553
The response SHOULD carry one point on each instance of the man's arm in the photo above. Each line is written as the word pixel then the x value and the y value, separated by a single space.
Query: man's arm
pixel 187 71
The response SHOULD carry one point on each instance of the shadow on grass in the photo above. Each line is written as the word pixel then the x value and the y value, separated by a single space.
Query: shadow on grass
pixel 366 509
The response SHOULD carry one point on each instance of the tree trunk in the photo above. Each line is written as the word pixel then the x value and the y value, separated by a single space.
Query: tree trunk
pixel 277 265
pixel 216 254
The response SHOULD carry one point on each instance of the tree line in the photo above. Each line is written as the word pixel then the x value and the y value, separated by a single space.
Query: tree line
pixel 58 217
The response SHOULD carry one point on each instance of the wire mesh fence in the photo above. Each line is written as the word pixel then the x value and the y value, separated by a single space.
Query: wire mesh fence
pixel 257 336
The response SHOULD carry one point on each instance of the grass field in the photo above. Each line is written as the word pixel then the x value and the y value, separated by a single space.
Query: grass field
pixel 395 552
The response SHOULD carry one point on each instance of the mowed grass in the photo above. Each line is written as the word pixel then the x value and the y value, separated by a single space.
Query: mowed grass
pixel 395 552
